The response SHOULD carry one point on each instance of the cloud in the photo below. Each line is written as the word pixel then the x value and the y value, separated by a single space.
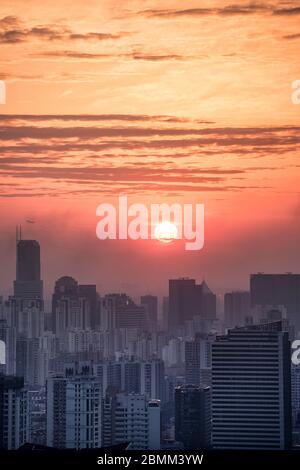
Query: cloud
pixel 130 55
pixel 291 36
pixel 287 11
pixel 97 117
pixel 13 30
pixel 137 153
pixel 230 10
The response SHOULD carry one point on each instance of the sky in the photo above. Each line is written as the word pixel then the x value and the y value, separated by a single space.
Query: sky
pixel 162 101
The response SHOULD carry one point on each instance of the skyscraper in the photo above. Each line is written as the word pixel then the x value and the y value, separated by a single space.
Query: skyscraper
pixel 120 311
pixel 74 411
pixel 251 388
pixel 193 417
pixel 236 308
pixel 188 299
pixel 28 284
pixel 279 290
pixel 74 305
pixel 150 303
pixel 198 360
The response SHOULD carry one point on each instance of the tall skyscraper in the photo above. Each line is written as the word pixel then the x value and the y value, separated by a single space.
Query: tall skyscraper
pixel 251 388
pixel 279 290
pixel 193 417
pixel 198 360
pixel 150 303
pixel 236 308
pixel 131 418
pixel 14 422
pixel 187 299
pixel 182 301
pixel 28 284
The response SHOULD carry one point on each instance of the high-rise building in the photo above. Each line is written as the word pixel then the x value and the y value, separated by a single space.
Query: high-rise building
pixel 198 360
pixel 193 416
pixel 120 311
pixel 187 300
pixel 74 411
pixel 153 379
pixel 150 303
pixel 251 388
pixel 236 308
pixel 14 423
pixel 91 303
pixel 279 290
pixel 74 305
pixel 28 284
pixel 131 418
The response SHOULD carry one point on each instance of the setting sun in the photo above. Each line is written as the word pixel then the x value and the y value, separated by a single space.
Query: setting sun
pixel 166 232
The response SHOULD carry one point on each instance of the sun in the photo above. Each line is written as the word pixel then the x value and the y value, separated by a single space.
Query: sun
pixel 166 232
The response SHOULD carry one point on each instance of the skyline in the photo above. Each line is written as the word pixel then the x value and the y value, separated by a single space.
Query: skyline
pixel 160 103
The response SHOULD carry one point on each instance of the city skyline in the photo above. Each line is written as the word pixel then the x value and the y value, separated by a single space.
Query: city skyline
pixel 160 103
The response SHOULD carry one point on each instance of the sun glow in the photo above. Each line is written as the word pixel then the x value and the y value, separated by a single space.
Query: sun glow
pixel 166 232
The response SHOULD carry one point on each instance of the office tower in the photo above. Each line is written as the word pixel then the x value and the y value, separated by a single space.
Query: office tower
pixel 74 411
pixel 28 284
pixel 173 353
pixel 193 417
pixel 251 388
pixel 14 424
pixel 208 301
pixel 30 320
pixel 73 305
pixel 131 418
pixel 150 303
pixel 153 379
pixel 91 303
pixel 187 300
pixel 122 312
pixel 182 301
pixel 236 308
pixel 198 360
pixel 279 290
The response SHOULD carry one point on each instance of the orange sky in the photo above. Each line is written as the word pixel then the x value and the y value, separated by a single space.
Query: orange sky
pixel 183 101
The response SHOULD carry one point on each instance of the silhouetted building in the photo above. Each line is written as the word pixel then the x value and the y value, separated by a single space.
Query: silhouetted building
pixel 198 360
pixel 120 311
pixel 187 299
pixel 251 388
pixel 74 305
pixel 150 303
pixel 91 303
pixel 14 424
pixel 28 284
pixel 193 417
pixel 280 290
pixel 236 308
